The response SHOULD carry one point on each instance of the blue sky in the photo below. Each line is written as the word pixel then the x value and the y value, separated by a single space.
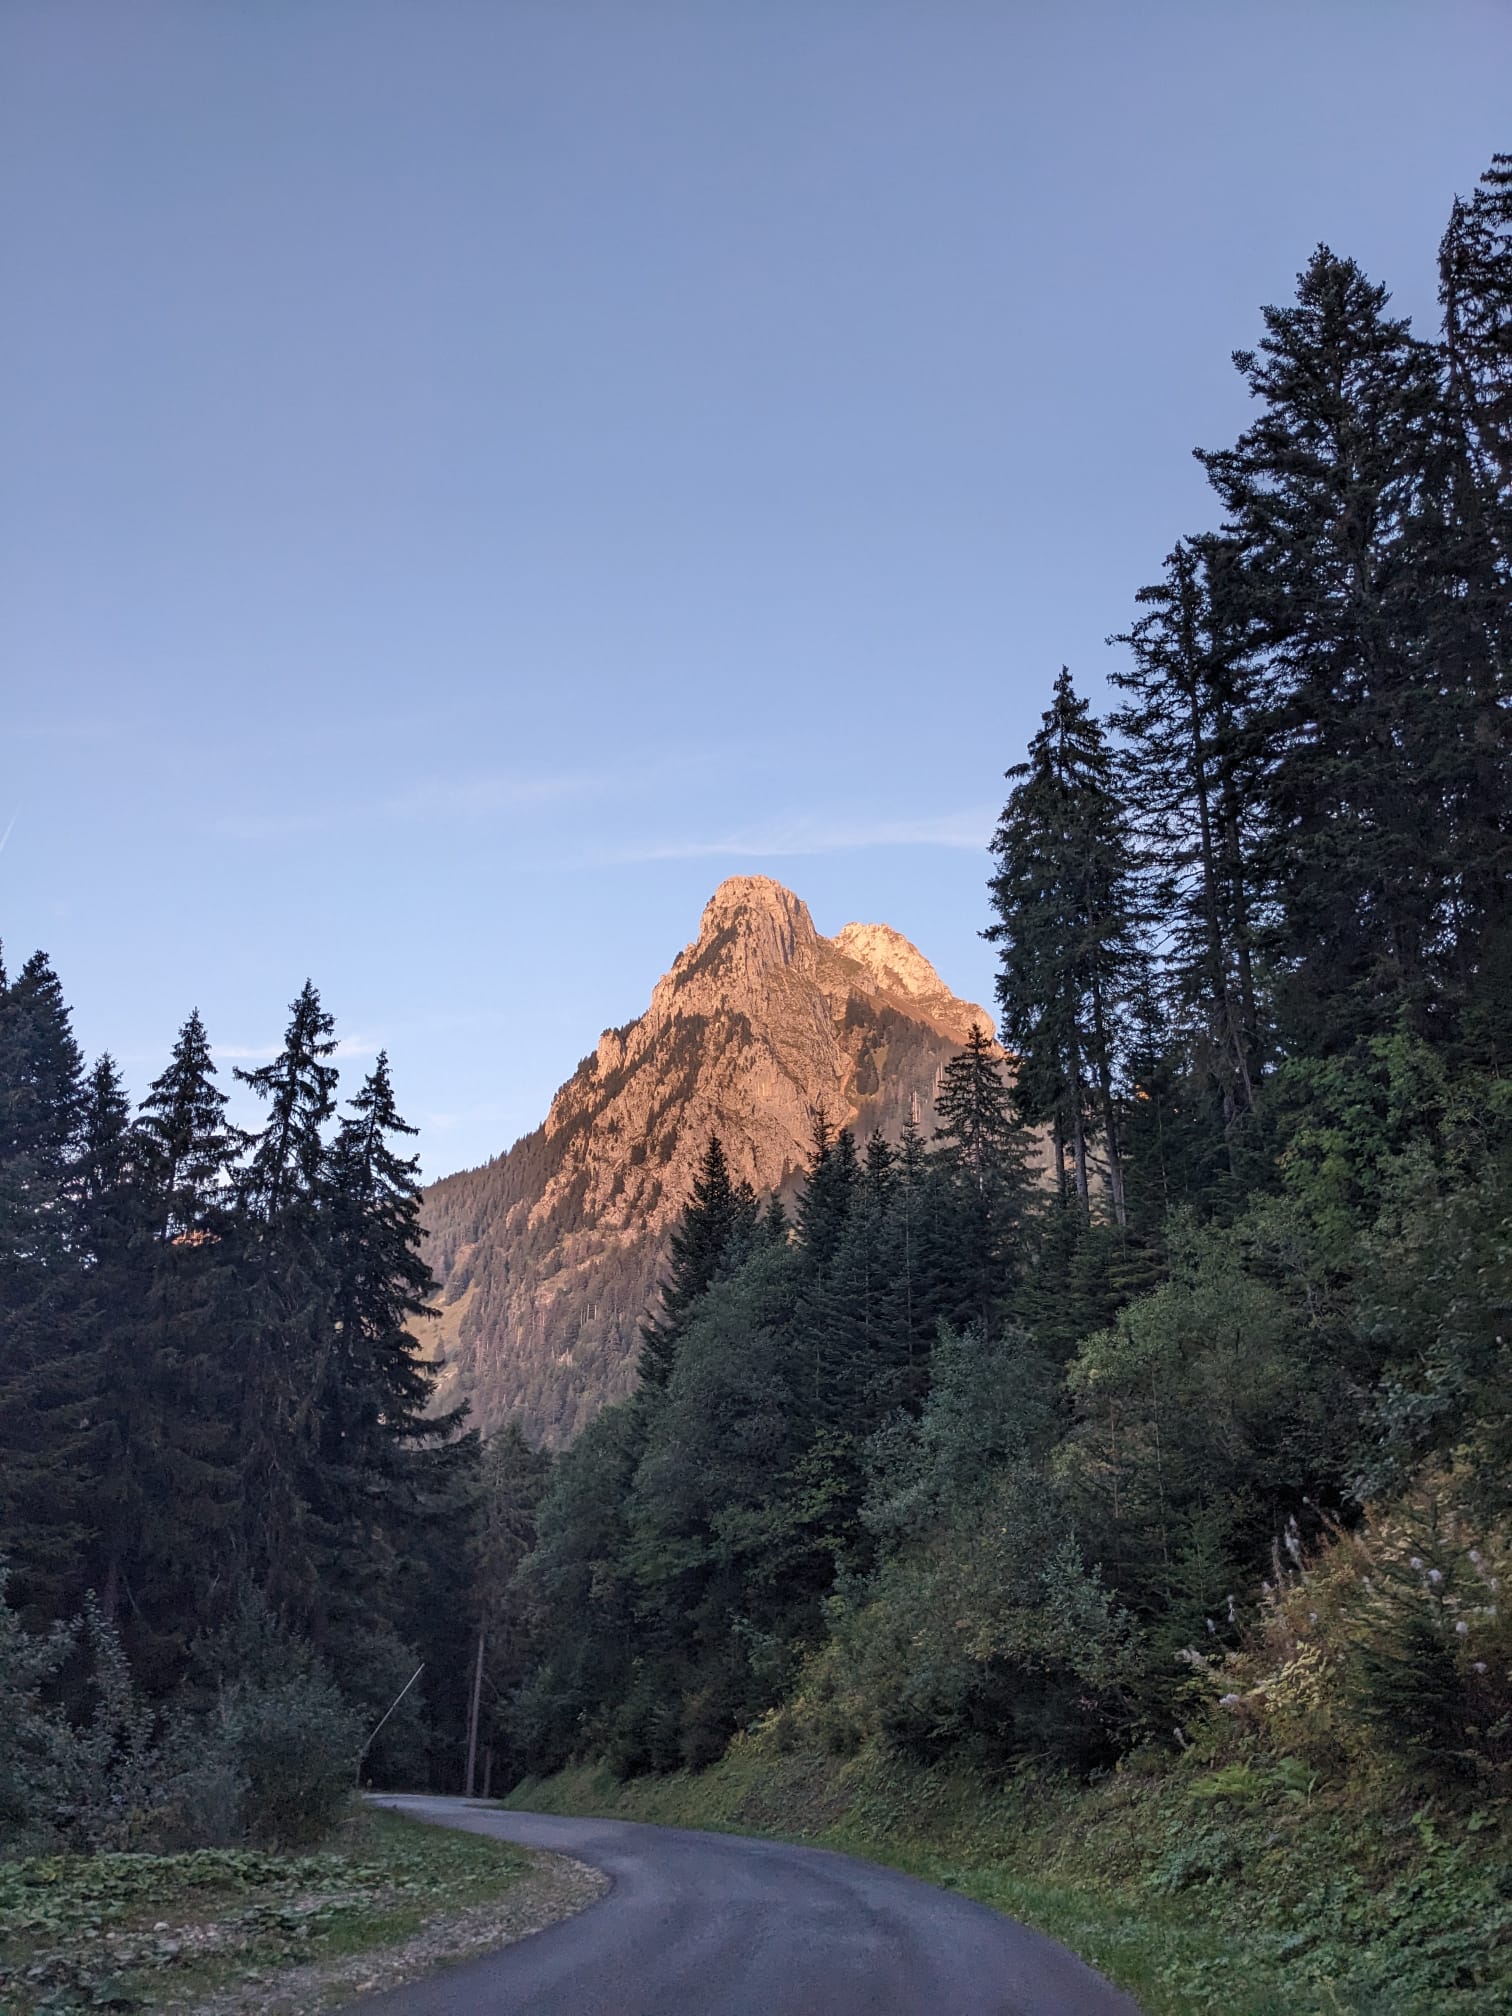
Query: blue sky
pixel 474 475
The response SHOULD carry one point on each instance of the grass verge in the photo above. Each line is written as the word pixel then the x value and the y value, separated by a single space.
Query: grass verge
pixel 161 1932
pixel 1243 1892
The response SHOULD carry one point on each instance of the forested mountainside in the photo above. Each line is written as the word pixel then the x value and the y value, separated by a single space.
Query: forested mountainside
pixel 547 1258
pixel 1199 1450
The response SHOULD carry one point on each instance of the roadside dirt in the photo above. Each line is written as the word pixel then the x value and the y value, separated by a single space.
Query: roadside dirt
pixel 555 1888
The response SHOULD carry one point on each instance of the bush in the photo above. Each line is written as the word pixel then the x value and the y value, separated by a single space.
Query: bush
pixel 33 1741
pixel 112 1777
pixel 205 1789
pixel 1391 1645
pixel 293 1743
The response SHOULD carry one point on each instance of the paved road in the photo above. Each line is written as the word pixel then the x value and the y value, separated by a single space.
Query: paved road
pixel 717 1925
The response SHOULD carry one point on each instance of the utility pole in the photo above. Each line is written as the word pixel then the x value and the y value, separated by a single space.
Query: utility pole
pixel 472 1721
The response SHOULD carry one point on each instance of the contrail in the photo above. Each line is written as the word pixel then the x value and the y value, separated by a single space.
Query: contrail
pixel 9 829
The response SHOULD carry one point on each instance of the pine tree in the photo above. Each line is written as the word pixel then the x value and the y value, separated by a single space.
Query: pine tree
pixel 1189 771
pixel 380 1383
pixel 1464 563
pixel 514 1480
pixel 283 1347
pixel 299 1085
pixel 49 1373
pixel 829 1184
pixel 717 1217
pixel 175 1426
pixel 981 1154
pixel 1320 495
pixel 376 1384
pixel 1475 290
pixel 113 1250
pixel 187 1144
pixel 1064 902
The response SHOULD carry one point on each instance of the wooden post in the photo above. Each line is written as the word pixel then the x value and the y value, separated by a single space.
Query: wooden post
pixel 488 1772
pixel 472 1721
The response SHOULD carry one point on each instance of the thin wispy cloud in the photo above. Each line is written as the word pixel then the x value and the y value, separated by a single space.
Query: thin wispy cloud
pixel 476 797
pixel 10 828
pixel 969 829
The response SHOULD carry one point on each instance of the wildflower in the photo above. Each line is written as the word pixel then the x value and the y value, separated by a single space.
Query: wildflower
pixel 1435 1576
pixel 1480 1665
pixel 1233 1614
pixel 1416 1562
pixel 1210 1624
pixel 1475 1556
pixel 1462 1629
pixel 1233 1700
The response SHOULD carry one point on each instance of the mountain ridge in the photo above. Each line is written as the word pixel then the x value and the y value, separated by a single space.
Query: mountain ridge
pixel 547 1256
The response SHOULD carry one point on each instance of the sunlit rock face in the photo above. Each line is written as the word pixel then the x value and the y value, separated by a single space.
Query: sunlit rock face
pixel 548 1256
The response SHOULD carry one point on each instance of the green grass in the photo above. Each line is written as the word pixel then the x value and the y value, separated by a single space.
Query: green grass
pixel 1245 1892
pixel 156 1931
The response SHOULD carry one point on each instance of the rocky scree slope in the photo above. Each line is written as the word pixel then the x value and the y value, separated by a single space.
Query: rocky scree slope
pixel 549 1255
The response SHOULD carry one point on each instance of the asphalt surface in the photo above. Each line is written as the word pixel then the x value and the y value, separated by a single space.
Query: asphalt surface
pixel 718 1925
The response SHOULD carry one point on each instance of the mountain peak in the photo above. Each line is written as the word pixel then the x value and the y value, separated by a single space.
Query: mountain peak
pixel 894 963
pixel 548 1257
pixel 772 917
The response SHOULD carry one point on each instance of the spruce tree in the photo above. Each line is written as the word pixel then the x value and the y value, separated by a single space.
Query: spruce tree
pixel 114 1251
pixel 1464 562
pixel 177 1407
pixel 1189 771
pixel 49 1372
pixel 284 1169
pixel 380 1382
pixel 513 1481
pixel 186 1143
pixel 981 1154
pixel 1320 495
pixel 1475 290
pixel 718 1216
pixel 1064 900
pixel 283 1346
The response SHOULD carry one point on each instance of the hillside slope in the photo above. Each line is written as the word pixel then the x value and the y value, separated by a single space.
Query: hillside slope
pixel 548 1256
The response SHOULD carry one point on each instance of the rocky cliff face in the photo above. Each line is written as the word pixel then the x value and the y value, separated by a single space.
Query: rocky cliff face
pixel 548 1256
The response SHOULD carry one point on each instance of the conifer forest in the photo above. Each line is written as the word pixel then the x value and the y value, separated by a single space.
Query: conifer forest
pixel 1153 1393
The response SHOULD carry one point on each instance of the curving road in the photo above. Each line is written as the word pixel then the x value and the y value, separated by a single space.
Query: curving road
pixel 719 1925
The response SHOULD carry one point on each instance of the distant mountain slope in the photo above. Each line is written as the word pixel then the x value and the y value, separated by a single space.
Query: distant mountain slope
pixel 548 1256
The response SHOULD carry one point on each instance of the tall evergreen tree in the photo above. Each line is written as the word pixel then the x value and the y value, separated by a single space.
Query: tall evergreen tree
pixel 981 1155
pixel 187 1144
pixel 376 1383
pixel 1065 924
pixel 1190 769
pixel 49 1373
pixel 1465 565
pixel 1475 290
pixel 284 1345
pixel 115 1272
pixel 717 1216
pixel 1320 495
pixel 175 1420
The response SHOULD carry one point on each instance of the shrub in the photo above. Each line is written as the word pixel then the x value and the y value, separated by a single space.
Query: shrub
pixel 1391 1643
pixel 293 1742
pixel 33 1741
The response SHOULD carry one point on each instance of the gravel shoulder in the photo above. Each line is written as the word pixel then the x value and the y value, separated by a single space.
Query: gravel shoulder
pixel 557 1887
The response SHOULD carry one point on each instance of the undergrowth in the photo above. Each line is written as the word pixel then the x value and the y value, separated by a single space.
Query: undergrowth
pixel 139 1932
